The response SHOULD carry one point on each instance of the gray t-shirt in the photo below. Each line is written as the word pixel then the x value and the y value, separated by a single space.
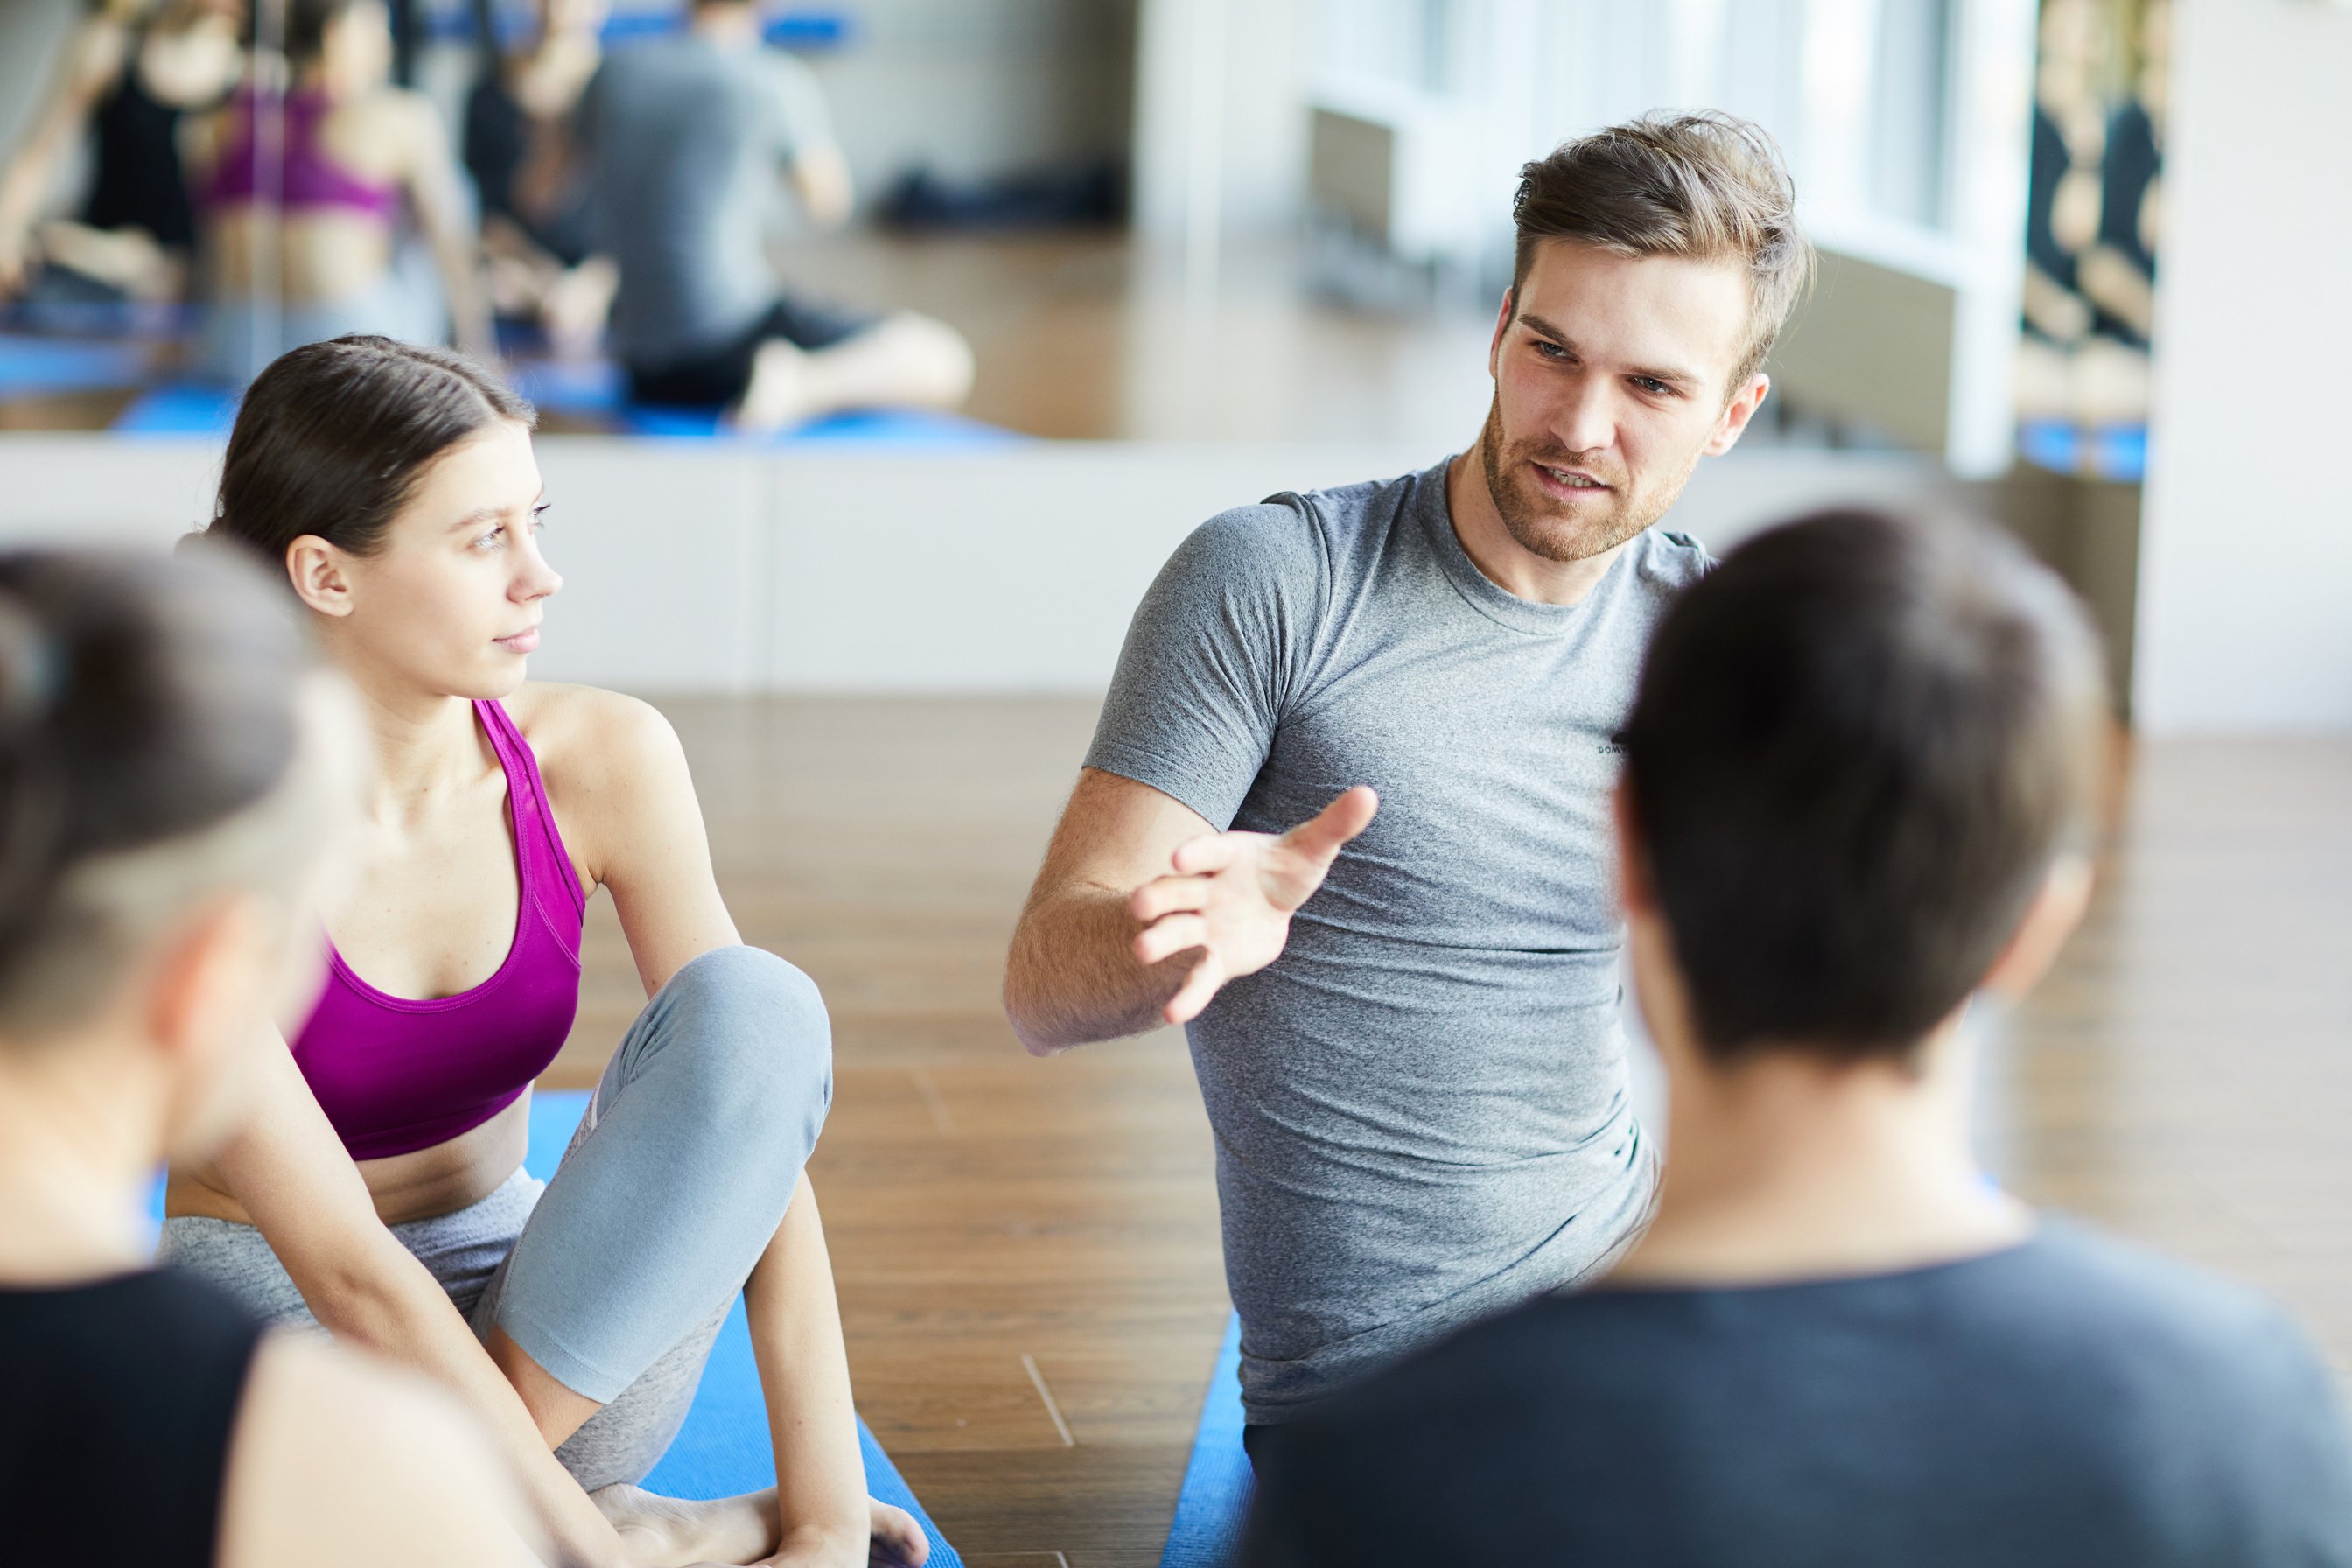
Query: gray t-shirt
pixel 1421 1108
pixel 686 144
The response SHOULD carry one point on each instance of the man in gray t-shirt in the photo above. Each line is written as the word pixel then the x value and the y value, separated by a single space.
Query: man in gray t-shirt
pixel 1400 698
pixel 684 138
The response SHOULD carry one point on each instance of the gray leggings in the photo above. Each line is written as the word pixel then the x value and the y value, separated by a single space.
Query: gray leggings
pixel 615 1275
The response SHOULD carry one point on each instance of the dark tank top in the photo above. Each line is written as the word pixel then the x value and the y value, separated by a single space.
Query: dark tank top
pixel 138 182
pixel 117 1404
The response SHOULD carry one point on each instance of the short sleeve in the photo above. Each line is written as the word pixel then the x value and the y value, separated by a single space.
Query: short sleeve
pixel 1218 650
pixel 797 107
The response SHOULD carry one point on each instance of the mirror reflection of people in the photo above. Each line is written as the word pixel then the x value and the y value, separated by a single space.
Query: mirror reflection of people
pixel 536 226
pixel 393 492
pixel 182 787
pixel 684 139
pixel 2062 198
pixel 128 78
pixel 2118 270
pixel 1862 779
pixel 317 220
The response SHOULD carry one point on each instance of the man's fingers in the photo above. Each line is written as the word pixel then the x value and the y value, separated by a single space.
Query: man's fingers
pixel 1320 836
pixel 1167 895
pixel 1212 851
pixel 1198 988
pixel 1170 937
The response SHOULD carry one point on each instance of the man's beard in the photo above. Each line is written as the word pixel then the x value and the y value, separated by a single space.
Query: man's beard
pixel 1529 514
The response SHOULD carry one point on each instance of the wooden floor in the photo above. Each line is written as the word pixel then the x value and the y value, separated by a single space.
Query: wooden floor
pixel 1027 1250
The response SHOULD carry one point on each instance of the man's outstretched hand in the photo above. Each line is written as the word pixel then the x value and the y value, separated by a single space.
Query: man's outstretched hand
pixel 1232 896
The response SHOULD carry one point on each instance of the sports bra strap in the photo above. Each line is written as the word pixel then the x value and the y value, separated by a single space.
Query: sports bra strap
pixel 539 848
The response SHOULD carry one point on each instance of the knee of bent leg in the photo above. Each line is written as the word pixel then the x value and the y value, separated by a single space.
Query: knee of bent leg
pixel 935 361
pixel 763 1048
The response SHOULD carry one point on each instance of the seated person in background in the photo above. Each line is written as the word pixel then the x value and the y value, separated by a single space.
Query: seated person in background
pixel 179 786
pixel 535 223
pixel 683 138
pixel 319 216
pixel 1859 779
pixel 129 79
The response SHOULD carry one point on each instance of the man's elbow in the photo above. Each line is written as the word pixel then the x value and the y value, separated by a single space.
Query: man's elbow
pixel 1022 1012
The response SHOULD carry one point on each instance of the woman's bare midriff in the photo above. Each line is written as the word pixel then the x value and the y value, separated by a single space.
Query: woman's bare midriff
pixel 324 255
pixel 436 1181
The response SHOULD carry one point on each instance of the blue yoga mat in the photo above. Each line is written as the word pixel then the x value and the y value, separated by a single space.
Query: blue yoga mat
pixel 723 1448
pixel 591 388
pixel 37 366
pixel 185 409
pixel 901 427
pixel 1214 1502
pixel 594 390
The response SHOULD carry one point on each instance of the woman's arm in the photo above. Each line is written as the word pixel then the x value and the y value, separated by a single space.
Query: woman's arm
pixel 625 798
pixel 94 59
pixel 301 1190
pixel 622 776
pixel 430 175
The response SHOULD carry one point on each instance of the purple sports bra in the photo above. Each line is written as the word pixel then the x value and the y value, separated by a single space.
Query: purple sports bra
pixel 309 178
pixel 396 1075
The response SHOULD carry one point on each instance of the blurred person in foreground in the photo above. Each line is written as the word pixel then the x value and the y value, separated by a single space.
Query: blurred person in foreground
pixel 1406 1026
pixel 684 138
pixel 181 785
pixel 1860 782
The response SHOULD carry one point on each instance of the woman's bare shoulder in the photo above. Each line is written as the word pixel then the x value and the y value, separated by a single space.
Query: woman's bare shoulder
pixel 586 732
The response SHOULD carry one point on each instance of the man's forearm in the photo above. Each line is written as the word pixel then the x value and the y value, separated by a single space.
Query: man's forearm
pixel 1073 978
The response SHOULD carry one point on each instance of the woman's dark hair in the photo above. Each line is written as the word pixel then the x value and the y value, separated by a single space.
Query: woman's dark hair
pixel 143 699
pixel 1858 746
pixel 307 22
pixel 332 439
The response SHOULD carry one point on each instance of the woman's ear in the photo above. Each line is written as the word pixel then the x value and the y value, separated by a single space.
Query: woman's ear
pixel 317 572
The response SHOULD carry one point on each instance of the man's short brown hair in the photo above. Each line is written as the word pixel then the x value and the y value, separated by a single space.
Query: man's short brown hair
pixel 1708 186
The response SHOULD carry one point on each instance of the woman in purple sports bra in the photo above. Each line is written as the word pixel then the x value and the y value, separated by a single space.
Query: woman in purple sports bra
pixel 313 188
pixel 380 1193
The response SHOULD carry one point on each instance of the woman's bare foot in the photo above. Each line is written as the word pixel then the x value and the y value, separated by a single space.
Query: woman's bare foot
pixel 660 1532
pixel 778 395
pixel 899 1541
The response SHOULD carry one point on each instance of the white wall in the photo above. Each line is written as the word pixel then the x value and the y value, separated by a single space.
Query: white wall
pixel 711 567
pixel 2246 608
pixel 1220 100
pixel 979 88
